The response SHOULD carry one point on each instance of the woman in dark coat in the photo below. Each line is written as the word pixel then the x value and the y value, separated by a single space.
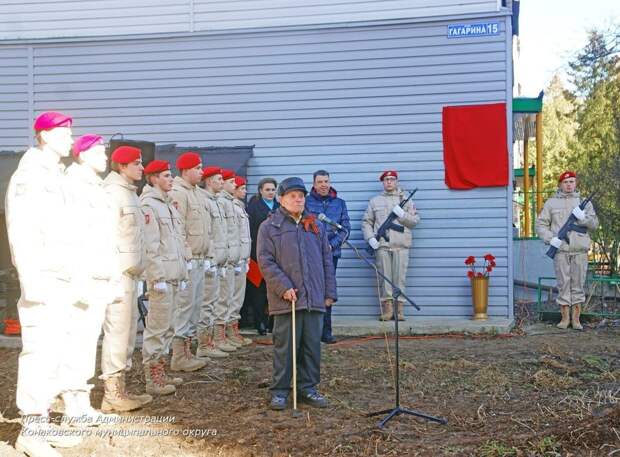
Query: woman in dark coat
pixel 259 207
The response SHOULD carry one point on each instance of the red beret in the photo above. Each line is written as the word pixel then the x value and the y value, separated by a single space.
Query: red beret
pixel 211 171
pixel 85 142
pixel 239 181
pixel 50 120
pixel 156 166
pixel 125 154
pixel 227 174
pixel 188 160
pixel 387 173
pixel 567 174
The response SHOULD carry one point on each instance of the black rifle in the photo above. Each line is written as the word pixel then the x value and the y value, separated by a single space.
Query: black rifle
pixel 570 226
pixel 142 309
pixel 389 224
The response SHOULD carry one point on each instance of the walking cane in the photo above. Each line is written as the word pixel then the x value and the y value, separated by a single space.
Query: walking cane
pixel 296 412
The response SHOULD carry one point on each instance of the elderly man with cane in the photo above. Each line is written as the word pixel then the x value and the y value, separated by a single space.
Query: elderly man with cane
pixel 299 287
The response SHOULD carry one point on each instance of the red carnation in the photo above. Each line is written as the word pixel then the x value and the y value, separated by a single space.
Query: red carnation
pixel 470 274
pixel 489 269
pixel 470 260
pixel 492 263
pixel 489 258
pixel 478 275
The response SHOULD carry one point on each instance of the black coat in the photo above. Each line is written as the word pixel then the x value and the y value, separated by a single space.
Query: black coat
pixel 258 211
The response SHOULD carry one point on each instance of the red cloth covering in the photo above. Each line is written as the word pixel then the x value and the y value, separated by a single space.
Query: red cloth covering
pixel 254 274
pixel 475 146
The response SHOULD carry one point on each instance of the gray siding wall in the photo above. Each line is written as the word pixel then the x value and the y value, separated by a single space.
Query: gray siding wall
pixel 352 100
pixel 36 19
pixel 238 14
pixel 15 90
pixel 25 19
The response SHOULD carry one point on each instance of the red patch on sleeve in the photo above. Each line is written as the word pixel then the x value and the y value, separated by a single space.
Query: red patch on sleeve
pixel 147 218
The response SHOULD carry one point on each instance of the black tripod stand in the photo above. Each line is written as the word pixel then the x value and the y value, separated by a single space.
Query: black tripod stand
pixel 393 412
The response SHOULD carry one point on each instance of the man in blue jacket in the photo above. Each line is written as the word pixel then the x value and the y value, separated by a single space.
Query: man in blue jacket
pixel 296 262
pixel 323 198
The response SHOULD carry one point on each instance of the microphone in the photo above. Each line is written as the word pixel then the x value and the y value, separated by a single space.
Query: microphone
pixel 327 220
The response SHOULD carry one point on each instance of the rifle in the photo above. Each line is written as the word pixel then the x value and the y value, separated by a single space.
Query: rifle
pixel 389 224
pixel 142 309
pixel 570 226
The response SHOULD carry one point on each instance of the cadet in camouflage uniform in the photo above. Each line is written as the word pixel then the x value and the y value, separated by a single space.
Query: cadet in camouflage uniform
pixel 187 198
pixel 211 322
pixel 241 269
pixel 166 271
pixel 571 260
pixel 392 257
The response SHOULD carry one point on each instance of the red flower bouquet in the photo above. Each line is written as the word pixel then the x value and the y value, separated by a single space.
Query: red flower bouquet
pixel 480 271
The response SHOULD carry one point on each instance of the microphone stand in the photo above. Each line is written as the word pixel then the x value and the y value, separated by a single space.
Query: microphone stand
pixel 397 409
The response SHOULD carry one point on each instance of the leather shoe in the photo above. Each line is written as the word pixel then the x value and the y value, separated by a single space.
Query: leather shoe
pixel 313 398
pixel 278 403
pixel 261 328
pixel 329 339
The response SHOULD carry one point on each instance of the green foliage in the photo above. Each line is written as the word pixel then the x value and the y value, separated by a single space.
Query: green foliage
pixel 496 449
pixel 596 362
pixel 598 158
pixel 548 447
pixel 559 132
pixel 595 62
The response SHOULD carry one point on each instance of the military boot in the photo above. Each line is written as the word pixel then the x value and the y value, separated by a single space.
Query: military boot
pixel 80 413
pixel 154 375
pixel 115 398
pixel 387 311
pixel 234 335
pixel 220 340
pixel 576 311
pixel 182 357
pixel 228 331
pixel 401 310
pixel 144 399
pixel 175 381
pixel 206 347
pixel 565 322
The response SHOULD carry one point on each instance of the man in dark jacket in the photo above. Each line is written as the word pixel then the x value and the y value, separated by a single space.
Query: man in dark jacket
pixel 324 199
pixel 296 261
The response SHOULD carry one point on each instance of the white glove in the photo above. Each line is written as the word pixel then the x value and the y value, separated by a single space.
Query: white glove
pixel 373 243
pixel 579 213
pixel 189 265
pixel 555 242
pixel 222 272
pixel 207 265
pixel 238 270
pixel 160 286
pixel 398 211
pixel 183 285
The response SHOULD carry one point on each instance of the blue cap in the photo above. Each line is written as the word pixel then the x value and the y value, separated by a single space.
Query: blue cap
pixel 293 183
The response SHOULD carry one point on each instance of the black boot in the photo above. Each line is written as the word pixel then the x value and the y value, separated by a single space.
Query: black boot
pixel 261 328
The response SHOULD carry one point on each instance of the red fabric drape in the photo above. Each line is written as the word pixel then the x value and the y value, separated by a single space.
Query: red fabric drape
pixel 254 274
pixel 475 149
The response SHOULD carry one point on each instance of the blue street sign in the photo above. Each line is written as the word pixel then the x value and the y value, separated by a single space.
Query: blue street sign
pixel 473 30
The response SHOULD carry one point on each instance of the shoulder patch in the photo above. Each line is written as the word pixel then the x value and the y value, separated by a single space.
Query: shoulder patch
pixel 147 218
